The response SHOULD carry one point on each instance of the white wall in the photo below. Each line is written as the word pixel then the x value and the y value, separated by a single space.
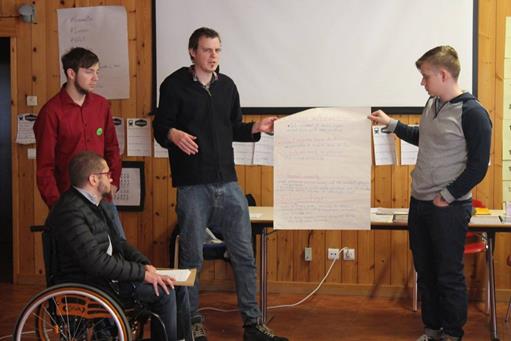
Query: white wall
pixel 308 53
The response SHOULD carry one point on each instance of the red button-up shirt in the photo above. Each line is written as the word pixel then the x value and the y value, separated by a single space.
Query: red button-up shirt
pixel 64 129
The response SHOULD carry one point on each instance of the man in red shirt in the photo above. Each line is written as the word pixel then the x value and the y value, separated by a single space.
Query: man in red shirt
pixel 74 120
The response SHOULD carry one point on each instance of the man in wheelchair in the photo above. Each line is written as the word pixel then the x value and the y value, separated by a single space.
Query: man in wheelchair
pixel 88 250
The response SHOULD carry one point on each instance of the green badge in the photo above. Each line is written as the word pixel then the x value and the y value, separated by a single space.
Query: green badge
pixel 99 132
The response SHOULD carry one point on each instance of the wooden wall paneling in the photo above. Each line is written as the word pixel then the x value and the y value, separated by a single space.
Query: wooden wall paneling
pixel 301 268
pixel 143 78
pixel 285 242
pixel 82 3
pixel 486 89
pixel 7 27
pixel 380 255
pixel 222 270
pixel 475 268
pixel 365 241
pixel 8 8
pixel 266 186
pixel 317 267
pixel 382 243
pixel 365 257
pixel 52 62
pixel 272 256
pixel 39 75
pixel 503 244
pixel 161 226
pixel 207 273
pixel 25 177
pixel 240 173
pixel 400 198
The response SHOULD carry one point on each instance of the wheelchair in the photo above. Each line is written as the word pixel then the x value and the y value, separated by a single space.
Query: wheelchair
pixel 72 311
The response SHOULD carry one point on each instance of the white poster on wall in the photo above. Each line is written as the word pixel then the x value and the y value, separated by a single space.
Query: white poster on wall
pixel 322 170
pixel 104 31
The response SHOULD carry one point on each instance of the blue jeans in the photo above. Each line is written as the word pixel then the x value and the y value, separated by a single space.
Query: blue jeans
pixel 437 240
pixel 222 205
pixel 173 310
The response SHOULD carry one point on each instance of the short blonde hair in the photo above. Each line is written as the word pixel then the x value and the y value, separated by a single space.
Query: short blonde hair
pixel 442 56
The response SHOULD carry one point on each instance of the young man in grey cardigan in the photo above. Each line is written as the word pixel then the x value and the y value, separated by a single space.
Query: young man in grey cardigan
pixel 454 138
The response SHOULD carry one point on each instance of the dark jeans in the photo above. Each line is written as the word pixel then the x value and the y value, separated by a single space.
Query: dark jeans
pixel 437 240
pixel 173 310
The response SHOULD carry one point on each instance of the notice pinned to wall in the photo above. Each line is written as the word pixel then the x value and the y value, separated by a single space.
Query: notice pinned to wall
pixel 322 170
pixel 104 31
pixel 25 132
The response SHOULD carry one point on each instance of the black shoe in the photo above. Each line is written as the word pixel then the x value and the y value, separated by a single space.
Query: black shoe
pixel 259 332
pixel 199 332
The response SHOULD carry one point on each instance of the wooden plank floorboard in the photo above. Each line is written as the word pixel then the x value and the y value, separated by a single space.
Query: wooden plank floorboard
pixel 323 317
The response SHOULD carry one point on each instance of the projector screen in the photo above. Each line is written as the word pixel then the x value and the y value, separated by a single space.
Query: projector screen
pixel 328 53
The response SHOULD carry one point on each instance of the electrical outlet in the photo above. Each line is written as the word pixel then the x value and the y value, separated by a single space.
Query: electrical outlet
pixel 308 254
pixel 333 253
pixel 349 254
pixel 31 101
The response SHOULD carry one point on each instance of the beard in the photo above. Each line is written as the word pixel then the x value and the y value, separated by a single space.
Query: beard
pixel 80 89
pixel 106 191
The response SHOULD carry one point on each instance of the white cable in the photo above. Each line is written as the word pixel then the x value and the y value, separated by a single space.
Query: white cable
pixel 218 309
pixel 316 289
pixel 341 251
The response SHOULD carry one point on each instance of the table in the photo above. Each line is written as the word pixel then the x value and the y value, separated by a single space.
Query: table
pixel 261 218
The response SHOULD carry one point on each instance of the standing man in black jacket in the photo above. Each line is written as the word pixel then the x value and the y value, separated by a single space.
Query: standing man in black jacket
pixel 89 249
pixel 197 120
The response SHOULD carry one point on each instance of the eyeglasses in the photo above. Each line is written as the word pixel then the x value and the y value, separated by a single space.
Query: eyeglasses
pixel 109 173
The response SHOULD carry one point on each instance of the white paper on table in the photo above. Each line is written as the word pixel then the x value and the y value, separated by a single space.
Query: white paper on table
pixel 119 131
pixel 139 137
pixel 263 150
pixel 322 169
pixel 408 152
pixel 389 210
pixel 25 132
pixel 159 151
pixel 485 220
pixel 243 152
pixel 104 31
pixel 180 275
pixel 382 218
pixel 384 147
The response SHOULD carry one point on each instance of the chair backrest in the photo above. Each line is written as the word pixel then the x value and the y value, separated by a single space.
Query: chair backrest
pixel 49 252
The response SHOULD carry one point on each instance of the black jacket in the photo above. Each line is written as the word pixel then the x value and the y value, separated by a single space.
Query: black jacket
pixel 80 230
pixel 213 116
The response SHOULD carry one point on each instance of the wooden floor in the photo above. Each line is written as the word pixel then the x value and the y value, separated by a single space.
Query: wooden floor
pixel 323 317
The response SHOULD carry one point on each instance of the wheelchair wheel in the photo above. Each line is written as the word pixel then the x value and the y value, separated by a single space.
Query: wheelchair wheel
pixel 72 312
